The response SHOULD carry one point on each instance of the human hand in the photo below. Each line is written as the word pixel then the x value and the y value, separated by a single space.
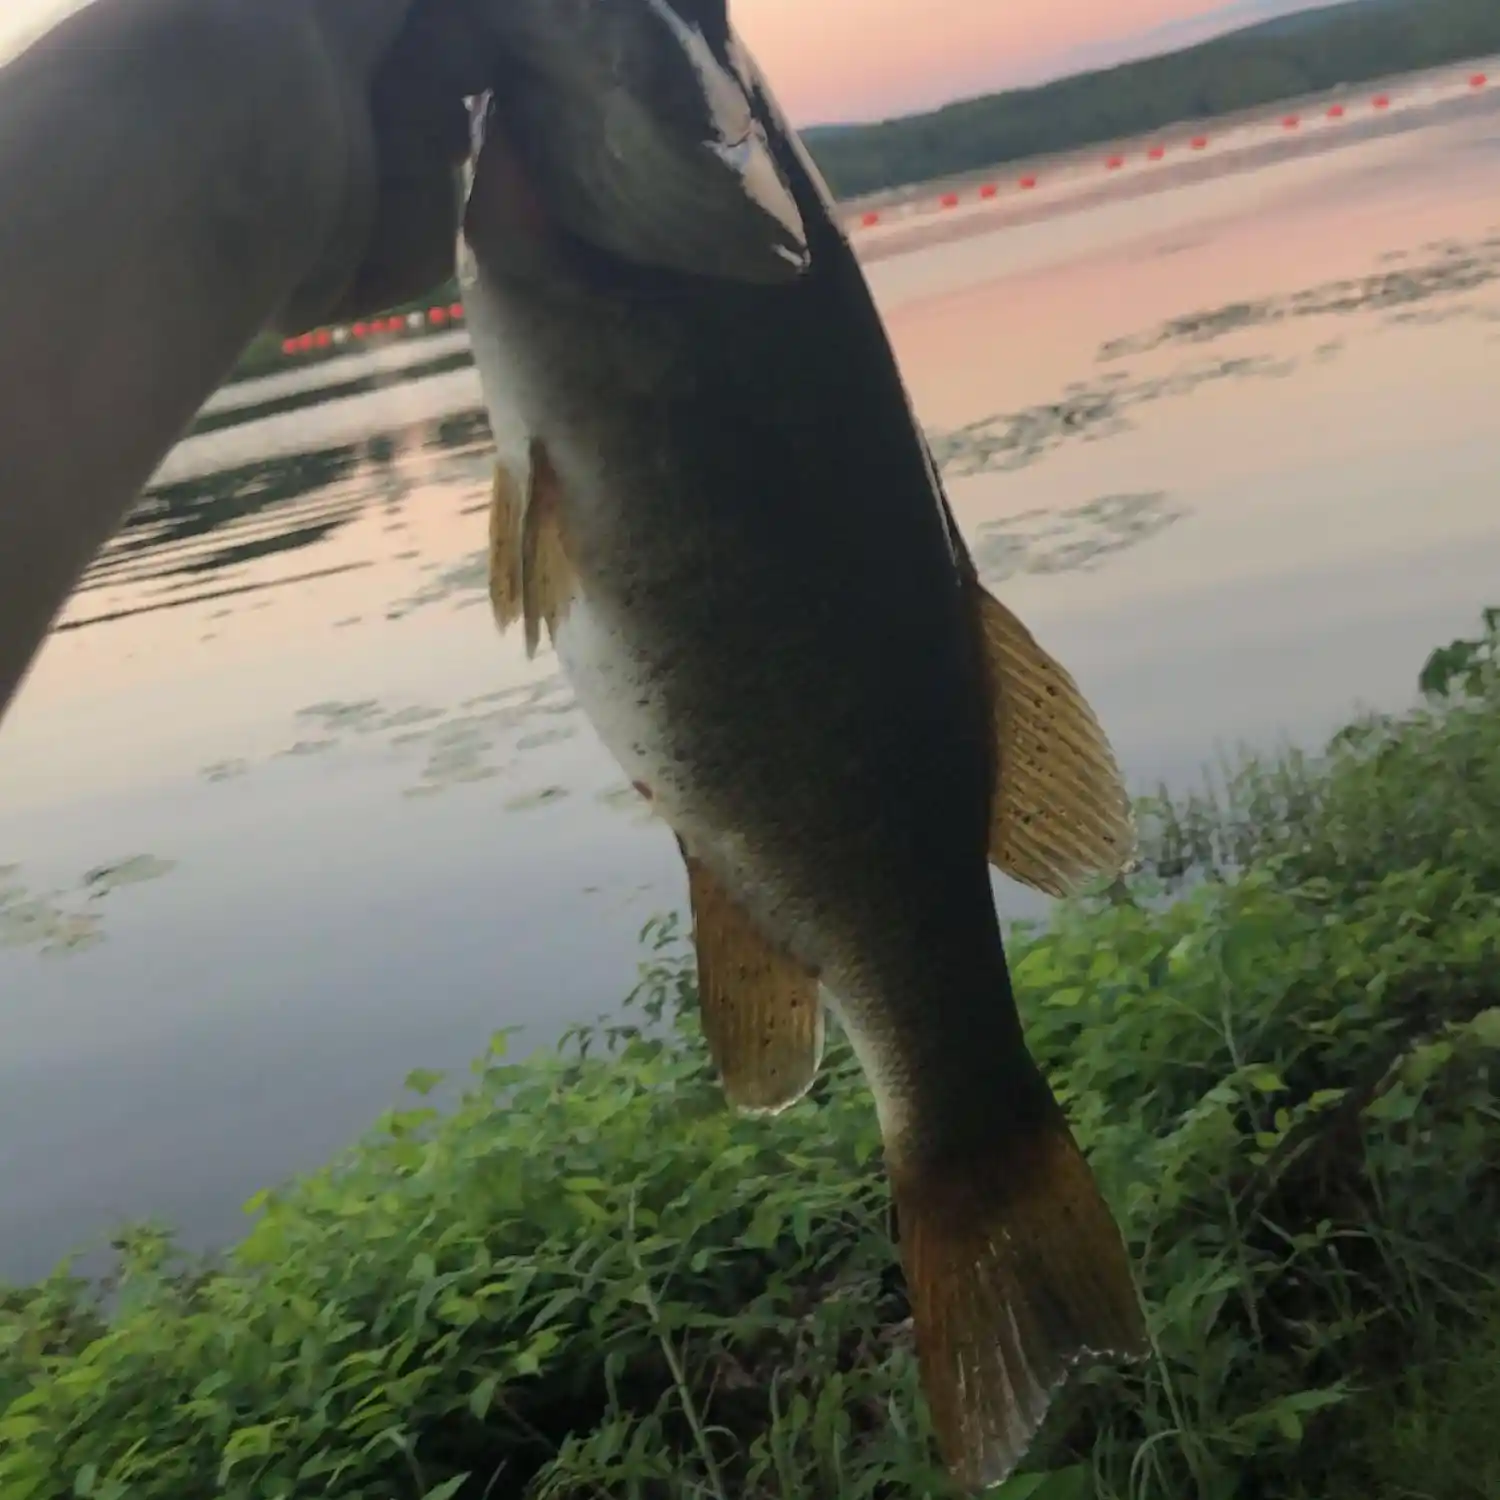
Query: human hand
pixel 403 69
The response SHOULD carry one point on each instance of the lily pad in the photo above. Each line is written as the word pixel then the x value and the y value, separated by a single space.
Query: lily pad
pixel 541 798
pixel 133 871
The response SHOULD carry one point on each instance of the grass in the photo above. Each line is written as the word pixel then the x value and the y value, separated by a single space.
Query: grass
pixel 1279 1044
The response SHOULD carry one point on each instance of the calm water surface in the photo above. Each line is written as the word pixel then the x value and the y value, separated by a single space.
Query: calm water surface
pixel 281 818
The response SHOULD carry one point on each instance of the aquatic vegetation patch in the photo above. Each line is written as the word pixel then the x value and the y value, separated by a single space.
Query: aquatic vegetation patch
pixel 59 922
pixel 477 740
pixel 1087 411
pixel 1073 540
pixel 1449 270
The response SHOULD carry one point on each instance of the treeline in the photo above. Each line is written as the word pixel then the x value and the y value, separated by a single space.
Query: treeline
pixel 1274 60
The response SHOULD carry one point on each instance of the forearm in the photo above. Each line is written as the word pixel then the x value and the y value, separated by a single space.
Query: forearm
pixel 169 170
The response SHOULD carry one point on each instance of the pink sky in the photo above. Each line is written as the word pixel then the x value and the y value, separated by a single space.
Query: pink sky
pixel 861 59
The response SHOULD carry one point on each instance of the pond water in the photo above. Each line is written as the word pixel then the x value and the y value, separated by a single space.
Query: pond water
pixel 282 817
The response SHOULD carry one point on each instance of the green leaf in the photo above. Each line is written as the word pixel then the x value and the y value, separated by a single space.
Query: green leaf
pixel 448 1488
pixel 254 1441
pixel 482 1397
pixel 1486 1027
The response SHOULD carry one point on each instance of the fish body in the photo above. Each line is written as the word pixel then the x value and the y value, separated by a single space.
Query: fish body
pixel 722 510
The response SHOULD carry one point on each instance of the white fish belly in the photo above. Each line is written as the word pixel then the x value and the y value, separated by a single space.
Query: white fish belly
pixel 613 681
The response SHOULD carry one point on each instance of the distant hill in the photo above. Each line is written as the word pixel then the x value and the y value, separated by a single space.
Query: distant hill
pixel 1184 31
pixel 1292 22
pixel 1277 58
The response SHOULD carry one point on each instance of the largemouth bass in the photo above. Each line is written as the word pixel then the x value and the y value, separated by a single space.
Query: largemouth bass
pixel 719 506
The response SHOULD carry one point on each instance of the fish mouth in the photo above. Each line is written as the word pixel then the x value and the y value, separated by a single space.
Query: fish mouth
pixel 617 180
pixel 511 224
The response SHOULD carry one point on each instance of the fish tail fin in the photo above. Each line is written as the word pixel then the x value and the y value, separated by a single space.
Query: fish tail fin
pixel 1016 1273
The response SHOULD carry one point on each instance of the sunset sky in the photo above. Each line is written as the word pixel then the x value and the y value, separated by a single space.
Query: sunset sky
pixel 863 59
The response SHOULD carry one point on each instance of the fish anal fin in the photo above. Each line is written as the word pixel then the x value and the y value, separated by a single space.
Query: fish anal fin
pixel 762 1013
pixel 1016 1274
pixel 548 579
pixel 1060 814
pixel 506 508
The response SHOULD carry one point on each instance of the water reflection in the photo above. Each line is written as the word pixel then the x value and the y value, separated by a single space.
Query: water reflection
pixel 184 541
pixel 216 418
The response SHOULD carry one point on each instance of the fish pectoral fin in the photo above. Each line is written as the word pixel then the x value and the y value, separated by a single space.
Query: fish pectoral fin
pixel 548 581
pixel 1061 814
pixel 531 576
pixel 762 1013
pixel 506 508
pixel 1016 1274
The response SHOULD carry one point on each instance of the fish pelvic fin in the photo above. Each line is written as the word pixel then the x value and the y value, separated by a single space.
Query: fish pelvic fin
pixel 506 509
pixel 531 576
pixel 1017 1274
pixel 1060 814
pixel 761 1010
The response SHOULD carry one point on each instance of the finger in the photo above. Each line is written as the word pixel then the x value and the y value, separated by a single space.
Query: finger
pixel 414 96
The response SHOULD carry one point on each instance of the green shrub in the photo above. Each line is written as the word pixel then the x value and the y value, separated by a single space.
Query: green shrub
pixel 1279 1046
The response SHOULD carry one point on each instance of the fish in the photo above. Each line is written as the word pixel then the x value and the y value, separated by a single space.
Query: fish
pixel 714 498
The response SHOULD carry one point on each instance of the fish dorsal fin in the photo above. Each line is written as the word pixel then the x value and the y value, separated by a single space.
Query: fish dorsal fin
pixel 531 576
pixel 1061 814
pixel 762 1013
